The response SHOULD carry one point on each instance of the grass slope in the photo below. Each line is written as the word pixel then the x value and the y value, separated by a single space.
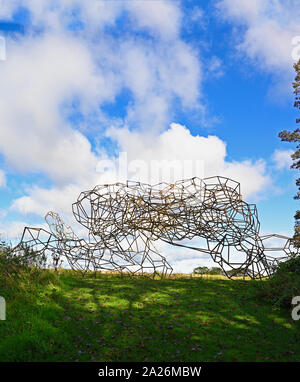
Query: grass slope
pixel 66 317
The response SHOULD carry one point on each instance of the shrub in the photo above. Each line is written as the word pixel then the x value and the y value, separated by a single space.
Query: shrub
pixel 283 285
pixel 15 263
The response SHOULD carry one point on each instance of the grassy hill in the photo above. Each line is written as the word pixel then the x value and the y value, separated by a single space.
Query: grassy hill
pixel 65 317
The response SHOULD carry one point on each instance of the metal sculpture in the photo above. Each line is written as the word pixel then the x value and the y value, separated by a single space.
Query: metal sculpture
pixel 124 220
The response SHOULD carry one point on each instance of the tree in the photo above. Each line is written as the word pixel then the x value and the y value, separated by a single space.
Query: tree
pixel 294 136
pixel 216 271
pixel 208 271
pixel 201 271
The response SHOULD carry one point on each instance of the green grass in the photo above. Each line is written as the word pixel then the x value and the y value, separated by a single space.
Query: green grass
pixel 65 317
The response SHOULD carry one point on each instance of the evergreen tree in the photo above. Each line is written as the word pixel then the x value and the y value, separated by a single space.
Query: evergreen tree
pixel 294 136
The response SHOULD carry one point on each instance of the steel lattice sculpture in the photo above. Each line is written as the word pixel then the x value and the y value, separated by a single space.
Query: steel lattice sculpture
pixel 124 221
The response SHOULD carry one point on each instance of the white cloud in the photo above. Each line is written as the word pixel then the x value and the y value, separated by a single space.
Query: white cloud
pixel 251 174
pixel 43 200
pixel 282 159
pixel 39 76
pixel 161 18
pixel 53 14
pixel 12 230
pixel 184 265
pixel 267 29
pixel 216 67
pixel 7 7
pixel 57 67
pixel 150 159
pixel 156 75
pixel 39 201
pixel 185 260
pixel 178 144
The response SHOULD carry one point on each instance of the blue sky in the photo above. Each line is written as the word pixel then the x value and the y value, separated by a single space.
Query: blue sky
pixel 159 80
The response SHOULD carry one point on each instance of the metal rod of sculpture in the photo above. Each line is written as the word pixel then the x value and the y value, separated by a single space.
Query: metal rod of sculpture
pixel 123 222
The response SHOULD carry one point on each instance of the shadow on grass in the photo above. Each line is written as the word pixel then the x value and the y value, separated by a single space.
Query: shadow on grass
pixel 114 318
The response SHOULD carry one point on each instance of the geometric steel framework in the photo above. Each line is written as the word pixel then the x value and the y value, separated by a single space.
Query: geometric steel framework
pixel 123 222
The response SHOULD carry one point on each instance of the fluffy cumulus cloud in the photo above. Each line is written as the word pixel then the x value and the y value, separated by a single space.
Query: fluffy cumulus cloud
pixel 269 30
pixel 161 18
pixel 46 73
pixel 282 159
pixel 177 154
pixel 13 230
pixel 40 74
pixel 39 201
pixel 172 155
pixel 156 75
